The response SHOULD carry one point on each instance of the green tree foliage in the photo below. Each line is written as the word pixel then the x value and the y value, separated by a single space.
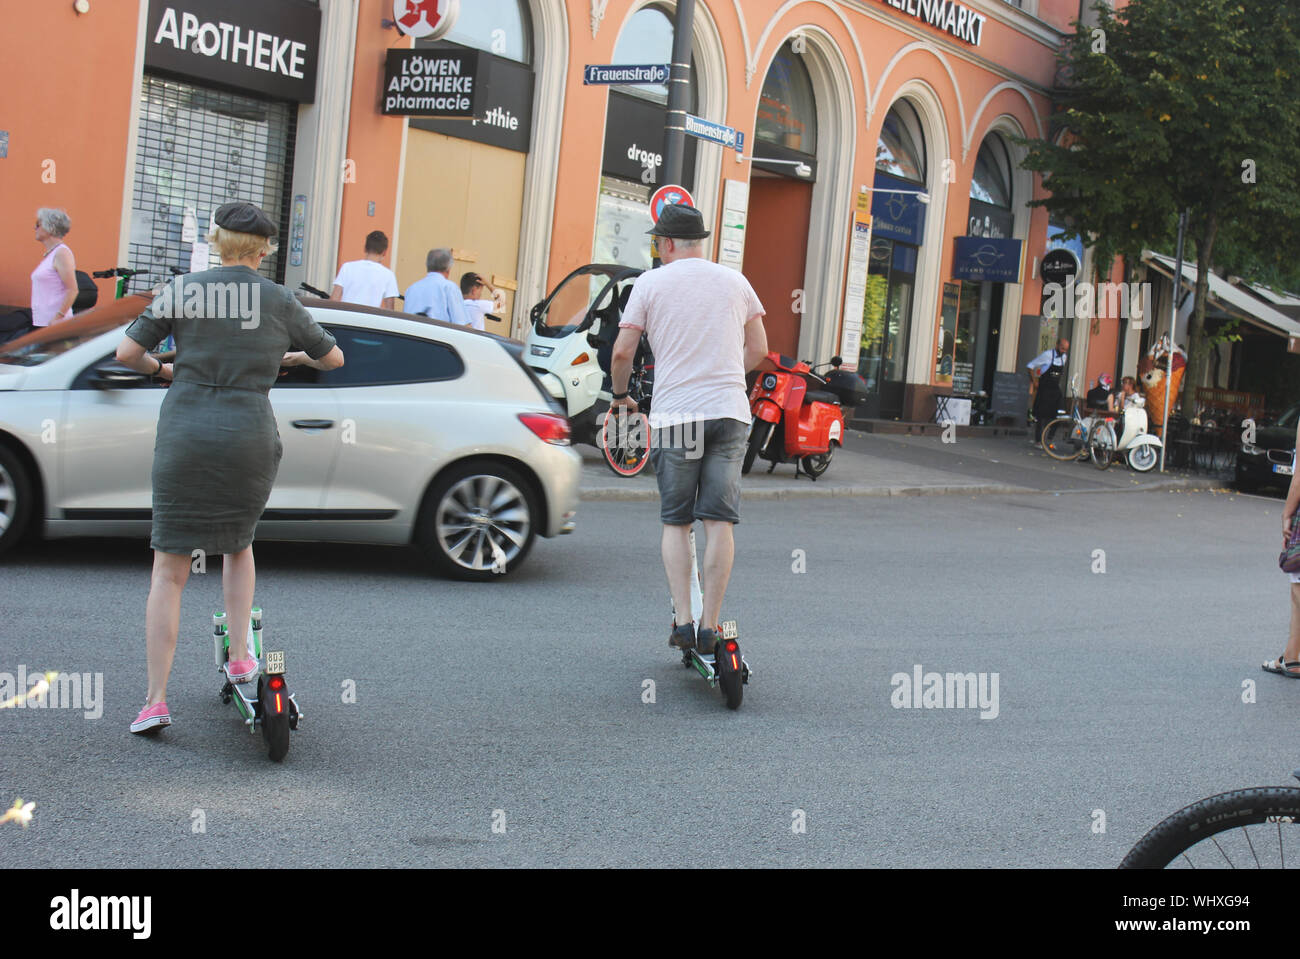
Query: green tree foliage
pixel 1172 105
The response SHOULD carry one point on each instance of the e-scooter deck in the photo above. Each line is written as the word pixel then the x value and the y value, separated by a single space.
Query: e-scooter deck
pixel 268 705
pixel 726 666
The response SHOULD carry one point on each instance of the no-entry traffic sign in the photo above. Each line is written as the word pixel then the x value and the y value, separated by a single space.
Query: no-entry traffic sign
pixel 670 194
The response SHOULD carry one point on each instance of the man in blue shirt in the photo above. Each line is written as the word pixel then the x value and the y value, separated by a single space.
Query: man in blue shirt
pixel 436 296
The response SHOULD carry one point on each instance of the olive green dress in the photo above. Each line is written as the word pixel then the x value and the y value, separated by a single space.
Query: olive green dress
pixel 217 448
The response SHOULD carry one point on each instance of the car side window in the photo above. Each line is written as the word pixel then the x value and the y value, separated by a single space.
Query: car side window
pixel 101 373
pixel 373 358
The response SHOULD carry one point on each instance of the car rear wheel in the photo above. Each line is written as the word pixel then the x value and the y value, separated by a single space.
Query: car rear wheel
pixel 15 499
pixel 479 521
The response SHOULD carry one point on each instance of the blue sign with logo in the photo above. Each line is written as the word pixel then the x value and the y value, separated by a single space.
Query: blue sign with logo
pixel 648 73
pixel 897 216
pixel 985 258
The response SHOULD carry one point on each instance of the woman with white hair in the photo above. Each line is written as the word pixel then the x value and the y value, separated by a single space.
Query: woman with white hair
pixel 54 281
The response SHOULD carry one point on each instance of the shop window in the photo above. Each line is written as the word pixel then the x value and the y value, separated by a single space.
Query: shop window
pixel 787 109
pixel 197 149
pixel 900 151
pixel 648 38
pixel 502 27
pixel 992 180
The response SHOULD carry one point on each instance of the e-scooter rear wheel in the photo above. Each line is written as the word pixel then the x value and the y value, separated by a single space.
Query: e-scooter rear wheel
pixel 731 675
pixel 273 697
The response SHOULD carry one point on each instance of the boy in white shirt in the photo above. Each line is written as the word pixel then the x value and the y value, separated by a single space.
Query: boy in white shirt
pixel 478 307
pixel 368 282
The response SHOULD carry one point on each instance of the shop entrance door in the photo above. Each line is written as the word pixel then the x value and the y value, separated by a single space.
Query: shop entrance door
pixel 776 242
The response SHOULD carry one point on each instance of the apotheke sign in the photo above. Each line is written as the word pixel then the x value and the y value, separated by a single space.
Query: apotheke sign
pixel 431 83
pixel 953 18
pixel 266 46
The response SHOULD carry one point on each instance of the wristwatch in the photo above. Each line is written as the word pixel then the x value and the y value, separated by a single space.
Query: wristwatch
pixel 621 396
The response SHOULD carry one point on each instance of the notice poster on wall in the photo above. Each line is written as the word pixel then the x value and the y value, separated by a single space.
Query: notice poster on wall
pixel 621 226
pixel 855 290
pixel 735 211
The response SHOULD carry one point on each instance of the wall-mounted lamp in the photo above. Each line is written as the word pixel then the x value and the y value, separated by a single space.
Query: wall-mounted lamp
pixel 82 6
pixel 921 195
pixel 800 168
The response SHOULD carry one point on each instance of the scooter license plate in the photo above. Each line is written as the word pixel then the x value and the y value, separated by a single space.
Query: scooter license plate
pixel 274 662
pixel 1284 470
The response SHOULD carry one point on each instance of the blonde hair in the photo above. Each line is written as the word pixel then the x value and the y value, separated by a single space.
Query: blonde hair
pixel 233 245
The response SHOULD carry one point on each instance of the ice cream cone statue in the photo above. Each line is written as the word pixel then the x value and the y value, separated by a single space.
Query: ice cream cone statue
pixel 1152 374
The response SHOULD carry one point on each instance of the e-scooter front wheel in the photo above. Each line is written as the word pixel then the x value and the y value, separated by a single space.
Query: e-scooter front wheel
pixel 759 432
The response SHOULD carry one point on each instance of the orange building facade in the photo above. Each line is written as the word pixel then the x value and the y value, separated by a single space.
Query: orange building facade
pixel 872 193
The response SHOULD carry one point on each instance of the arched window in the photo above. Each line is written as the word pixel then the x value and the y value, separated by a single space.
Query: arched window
pixel 787 109
pixel 648 38
pixel 992 180
pixel 502 27
pixel 900 151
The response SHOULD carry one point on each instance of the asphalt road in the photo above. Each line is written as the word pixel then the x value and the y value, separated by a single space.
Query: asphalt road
pixel 1119 692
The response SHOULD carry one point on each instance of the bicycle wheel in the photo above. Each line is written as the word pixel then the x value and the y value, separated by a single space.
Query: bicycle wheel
pixel 625 441
pixel 1214 833
pixel 1063 439
pixel 1101 444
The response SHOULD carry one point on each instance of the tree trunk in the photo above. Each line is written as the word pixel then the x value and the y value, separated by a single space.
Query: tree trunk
pixel 1197 348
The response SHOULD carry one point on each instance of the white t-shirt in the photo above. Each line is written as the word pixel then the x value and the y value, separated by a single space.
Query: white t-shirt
pixel 366 282
pixel 477 310
pixel 694 313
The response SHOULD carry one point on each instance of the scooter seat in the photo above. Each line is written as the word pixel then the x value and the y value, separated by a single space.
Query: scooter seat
pixel 820 396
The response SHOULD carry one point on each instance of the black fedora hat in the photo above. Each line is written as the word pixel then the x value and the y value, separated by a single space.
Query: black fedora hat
pixel 678 221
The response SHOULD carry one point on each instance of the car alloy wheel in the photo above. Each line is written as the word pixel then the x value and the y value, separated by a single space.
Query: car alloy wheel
pixel 483 523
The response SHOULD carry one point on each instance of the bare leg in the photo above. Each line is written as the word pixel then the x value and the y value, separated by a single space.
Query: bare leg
pixel 677 564
pixel 162 619
pixel 719 554
pixel 1292 653
pixel 238 575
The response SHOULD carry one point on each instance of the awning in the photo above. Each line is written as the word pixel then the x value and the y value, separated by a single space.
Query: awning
pixel 1228 298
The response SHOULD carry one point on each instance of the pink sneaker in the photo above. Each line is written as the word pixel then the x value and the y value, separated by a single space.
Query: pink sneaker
pixel 151 717
pixel 241 670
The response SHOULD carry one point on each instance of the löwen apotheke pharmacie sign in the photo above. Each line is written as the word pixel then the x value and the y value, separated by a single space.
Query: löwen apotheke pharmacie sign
pixel 266 46
pixel 952 18
pixel 431 83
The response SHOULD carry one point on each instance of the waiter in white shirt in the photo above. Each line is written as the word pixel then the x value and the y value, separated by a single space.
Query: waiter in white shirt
pixel 1046 370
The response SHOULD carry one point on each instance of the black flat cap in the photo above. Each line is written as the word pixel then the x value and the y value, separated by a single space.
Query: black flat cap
pixel 680 222
pixel 244 217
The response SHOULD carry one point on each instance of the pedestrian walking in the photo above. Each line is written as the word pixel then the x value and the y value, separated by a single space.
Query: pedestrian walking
pixel 436 296
pixel 704 324
pixel 367 281
pixel 217 449
pixel 1288 664
pixel 1046 370
pixel 477 306
pixel 54 281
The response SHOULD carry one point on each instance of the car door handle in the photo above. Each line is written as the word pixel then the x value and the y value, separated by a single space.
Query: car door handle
pixel 312 424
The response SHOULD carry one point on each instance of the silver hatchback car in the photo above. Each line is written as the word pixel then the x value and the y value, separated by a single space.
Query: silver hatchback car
pixel 430 434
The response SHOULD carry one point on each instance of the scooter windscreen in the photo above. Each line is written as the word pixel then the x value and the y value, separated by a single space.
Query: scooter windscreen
pixel 582 296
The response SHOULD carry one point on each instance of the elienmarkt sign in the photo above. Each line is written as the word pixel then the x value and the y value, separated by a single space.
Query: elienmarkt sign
pixel 950 17
pixel 431 83
pixel 269 48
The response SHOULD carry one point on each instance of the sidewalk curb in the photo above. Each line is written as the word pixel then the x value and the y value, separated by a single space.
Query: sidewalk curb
pixel 816 491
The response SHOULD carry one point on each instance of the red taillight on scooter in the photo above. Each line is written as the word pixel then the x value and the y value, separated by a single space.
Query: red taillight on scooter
pixel 549 427
pixel 732 646
pixel 276 683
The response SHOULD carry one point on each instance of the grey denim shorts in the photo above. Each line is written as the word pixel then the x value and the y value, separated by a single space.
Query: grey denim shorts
pixel 697 466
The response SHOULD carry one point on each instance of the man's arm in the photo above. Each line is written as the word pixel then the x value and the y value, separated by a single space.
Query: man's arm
pixel 755 342
pixel 336 292
pixel 620 363
pixel 389 303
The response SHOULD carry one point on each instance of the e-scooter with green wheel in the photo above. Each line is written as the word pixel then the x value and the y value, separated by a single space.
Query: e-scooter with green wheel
pixel 272 706
pixel 725 666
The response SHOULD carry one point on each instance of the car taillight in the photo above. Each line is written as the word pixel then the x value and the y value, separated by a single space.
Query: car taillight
pixel 549 427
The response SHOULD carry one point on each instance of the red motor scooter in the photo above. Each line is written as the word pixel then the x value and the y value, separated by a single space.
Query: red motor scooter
pixel 797 416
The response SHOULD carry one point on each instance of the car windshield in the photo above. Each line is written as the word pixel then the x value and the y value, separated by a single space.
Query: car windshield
pixel 34 354
pixel 573 301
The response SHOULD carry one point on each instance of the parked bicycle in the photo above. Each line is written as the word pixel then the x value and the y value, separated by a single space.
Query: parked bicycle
pixel 1065 438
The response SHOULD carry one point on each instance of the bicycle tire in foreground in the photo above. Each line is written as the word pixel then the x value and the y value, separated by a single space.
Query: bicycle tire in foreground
pixel 1215 833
